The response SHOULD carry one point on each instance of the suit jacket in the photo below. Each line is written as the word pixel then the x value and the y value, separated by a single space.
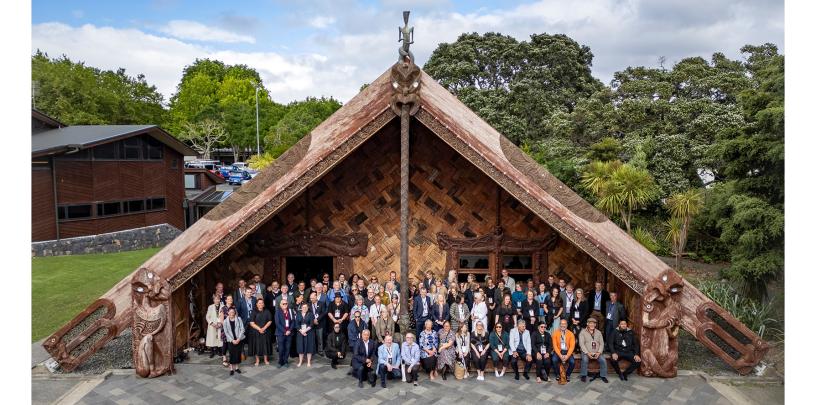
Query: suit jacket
pixel 417 308
pixel 444 314
pixel 382 327
pixel 355 331
pixel 427 283
pixel 563 294
pixel 605 298
pixel 359 355
pixel 238 296
pixel 321 313
pixel 619 313
pixel 261 289
pixel 337 342
pixel 514 340
pixel 242 309
pixel 538 341
pixel 229 335
pixel 279 321
pixel 394 359
pixel 624 342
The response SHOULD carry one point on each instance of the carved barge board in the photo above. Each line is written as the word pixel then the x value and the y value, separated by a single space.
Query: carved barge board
pixel 335 139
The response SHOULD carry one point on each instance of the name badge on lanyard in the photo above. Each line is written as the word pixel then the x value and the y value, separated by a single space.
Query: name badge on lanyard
pixel 576 314
pixel 609 316
pixel 531 312
pixel 336 314
pixel 623 343
pixel 286 323
pixel 519 304
pixel 500 348
pixel 544 349
pixel 479 347
pixel 564 345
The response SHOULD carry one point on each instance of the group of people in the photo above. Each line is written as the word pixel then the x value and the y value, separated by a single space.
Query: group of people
pixel 458 325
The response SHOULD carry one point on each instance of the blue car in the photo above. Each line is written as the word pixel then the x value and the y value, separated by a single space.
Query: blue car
pixel 238 177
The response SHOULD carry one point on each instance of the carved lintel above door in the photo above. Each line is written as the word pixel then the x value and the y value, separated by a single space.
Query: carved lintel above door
pixel 494 242
pixel 312 244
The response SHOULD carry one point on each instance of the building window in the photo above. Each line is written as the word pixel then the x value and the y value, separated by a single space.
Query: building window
pixel 154 203
pixel 191 181
pixel 109 208
pixel 132 148
pixel 474 262
pixel 174 163
pixel 517 262
pixel 153 148
pixel 74 211
pixel 133 206
pixel 108 151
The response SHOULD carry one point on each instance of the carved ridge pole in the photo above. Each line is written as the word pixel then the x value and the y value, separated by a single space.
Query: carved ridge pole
pixel 404 103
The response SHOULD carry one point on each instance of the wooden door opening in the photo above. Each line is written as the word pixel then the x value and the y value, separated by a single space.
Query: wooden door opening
pixel 307 267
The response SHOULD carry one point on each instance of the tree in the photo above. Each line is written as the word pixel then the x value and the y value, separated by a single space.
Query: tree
pixel 515 86
pixel 300 119
pixel 620 188
pixel 683 207
pixel 204 135
pixel 606 150
pixel 210 89
pixel 77 94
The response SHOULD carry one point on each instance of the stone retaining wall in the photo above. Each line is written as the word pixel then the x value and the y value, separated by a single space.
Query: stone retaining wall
pixel 121 241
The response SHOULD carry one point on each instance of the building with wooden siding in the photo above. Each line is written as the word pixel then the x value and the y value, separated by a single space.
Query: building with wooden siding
pixel 92 179
pixel 204 190
pixel 340 199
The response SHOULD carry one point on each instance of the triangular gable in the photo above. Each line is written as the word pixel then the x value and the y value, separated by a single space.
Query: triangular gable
pixel 359 119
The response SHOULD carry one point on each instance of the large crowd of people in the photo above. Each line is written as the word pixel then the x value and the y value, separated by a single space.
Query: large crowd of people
pixel 455 327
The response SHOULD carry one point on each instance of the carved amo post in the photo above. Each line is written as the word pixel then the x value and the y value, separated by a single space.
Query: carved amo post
pixel 660 318
pixel 152 329
pixel 404 103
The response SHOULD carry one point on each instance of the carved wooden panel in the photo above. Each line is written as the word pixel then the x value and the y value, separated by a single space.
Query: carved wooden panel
pixel 85 334
pixel 310 244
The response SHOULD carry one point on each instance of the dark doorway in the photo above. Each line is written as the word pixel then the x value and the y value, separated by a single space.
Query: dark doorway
pixel 307 267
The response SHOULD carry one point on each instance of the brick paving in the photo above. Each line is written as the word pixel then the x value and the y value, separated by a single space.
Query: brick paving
pixel 203 380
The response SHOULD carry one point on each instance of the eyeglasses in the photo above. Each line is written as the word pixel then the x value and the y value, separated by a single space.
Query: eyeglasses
pixel 498 327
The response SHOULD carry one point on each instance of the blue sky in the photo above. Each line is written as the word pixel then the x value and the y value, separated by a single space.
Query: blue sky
pixel 330 48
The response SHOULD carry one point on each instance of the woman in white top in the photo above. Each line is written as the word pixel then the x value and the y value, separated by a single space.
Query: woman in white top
pixel 479 311
pixel 213 340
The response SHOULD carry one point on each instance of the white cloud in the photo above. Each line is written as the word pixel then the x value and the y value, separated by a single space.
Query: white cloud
pixel 620 33
pixel 321 21
pixel 162 60
pixel 192 30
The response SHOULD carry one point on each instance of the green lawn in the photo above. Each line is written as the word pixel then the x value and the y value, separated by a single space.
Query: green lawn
pixel 62 286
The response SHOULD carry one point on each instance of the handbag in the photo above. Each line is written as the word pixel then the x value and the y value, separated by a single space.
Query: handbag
pixel 459 370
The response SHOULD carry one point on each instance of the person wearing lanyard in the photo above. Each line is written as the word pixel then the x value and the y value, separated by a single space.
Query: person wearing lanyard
pixel 530 311
pixel 429 342
pixel 568 296
pixel 463 347
pixel 440 312
pixel 337 345
pixel 421 309
pixel 499 353
pixel 598 300
pixel 615 313
pixel 459 311
pixel 543 345
pixel 479 345
pixel 592 345
pixel 389 358
pixel 319 311
pixel 563 345
pixel 375 311
pixel 520 348
pixel 410 359
pixel 540 299
pixel 284 321
pixel 624 346
pixel 234 333
pixel 355 329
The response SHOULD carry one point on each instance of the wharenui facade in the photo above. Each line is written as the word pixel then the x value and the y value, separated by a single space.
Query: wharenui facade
pixel 405 178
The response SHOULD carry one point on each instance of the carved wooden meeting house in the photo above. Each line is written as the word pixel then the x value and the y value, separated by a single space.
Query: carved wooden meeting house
pixel 402 177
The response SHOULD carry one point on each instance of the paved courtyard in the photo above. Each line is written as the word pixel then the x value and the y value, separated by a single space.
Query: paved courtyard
pixel 205 381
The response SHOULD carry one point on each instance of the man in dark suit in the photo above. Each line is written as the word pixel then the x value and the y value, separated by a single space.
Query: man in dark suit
pixel 245 306
pixel 239 293
pixel 291 283
pixel 319 309
pixel 428 281
pixel 364 359
pixel 421 309
pixel 597 302
pixel 615 313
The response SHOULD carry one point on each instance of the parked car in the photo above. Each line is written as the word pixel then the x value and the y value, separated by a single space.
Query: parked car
pixel 238 177
pixel 224 171
pixel 240 166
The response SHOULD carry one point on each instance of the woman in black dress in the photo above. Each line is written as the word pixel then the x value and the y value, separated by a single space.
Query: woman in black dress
pixel 506 315
pixel 305 337
pixel 234 333
pixel 259 342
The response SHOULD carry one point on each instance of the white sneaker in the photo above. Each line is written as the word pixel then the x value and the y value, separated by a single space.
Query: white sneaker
pixel 478 378
pixel 481 378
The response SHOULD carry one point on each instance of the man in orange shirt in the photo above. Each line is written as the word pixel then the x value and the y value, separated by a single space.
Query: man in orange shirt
pixel 563 345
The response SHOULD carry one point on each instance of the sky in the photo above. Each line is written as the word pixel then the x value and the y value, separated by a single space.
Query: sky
pixel 330 48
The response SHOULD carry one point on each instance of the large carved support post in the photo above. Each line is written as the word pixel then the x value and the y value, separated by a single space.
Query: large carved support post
pixel 404 210
pixel 404 103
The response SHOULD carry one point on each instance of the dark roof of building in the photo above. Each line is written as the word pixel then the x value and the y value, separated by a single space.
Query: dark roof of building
pixel 42 117
pixel 64 139
pixel 212 196
pixel 210 174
